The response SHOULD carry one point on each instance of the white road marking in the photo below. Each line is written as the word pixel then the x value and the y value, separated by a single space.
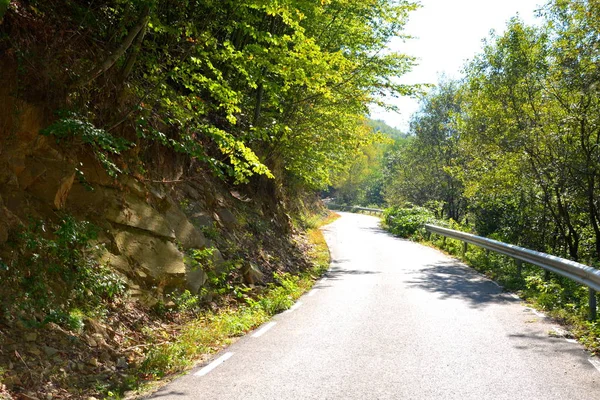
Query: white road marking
pixel 595 363
pixel 515 296
pixel 294 307
pixel 571 340
pixel 264 329
pixel 214 364
pixel 539 314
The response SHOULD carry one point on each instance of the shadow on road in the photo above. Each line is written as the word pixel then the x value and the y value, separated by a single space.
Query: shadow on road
pixel 452 280
pixel 160 394
pixel 336 270
pixel 545 344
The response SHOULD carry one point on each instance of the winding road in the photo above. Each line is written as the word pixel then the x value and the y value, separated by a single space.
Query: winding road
pixel 393 319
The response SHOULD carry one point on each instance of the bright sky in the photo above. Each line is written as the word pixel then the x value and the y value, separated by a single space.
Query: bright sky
pixel 446 34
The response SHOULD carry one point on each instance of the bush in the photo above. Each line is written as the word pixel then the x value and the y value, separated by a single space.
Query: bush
pixel 55 274
pixel 407 222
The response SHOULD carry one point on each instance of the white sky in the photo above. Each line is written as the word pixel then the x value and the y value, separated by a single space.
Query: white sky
pixel 446 34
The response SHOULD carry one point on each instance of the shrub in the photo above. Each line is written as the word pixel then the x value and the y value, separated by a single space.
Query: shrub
pixel 55 275
pixel 407 222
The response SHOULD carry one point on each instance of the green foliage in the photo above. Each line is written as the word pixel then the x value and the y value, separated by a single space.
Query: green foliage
pixel 3 7
pixel 75 128
pixel 247 87
pixel 407 221
pixel 379 126
pixel 56 276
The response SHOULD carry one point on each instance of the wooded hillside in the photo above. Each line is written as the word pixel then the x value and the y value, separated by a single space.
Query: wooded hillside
pixel 160 159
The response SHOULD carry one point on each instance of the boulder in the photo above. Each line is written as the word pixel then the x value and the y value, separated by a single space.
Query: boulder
pixel 194 278
pixel 120 263
pixel 202 219
pixel 158 258
pixel 186 233
pixel 137 213
pixel 227 218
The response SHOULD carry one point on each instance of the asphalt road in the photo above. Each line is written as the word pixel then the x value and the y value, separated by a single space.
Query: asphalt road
pixel 396 320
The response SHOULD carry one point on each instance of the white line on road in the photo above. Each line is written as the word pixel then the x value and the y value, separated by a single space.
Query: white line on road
pixel 515 296
pixel 264 329
pixel 294 307
pixel 595 363
pixel 571 340
pixel 214 364
pixel 539 314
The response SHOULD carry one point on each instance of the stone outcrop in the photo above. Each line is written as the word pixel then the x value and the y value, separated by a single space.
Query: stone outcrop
pixel 144 228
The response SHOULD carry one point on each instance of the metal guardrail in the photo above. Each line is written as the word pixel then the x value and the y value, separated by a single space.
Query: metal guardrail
pixel 353 208
pixel 583 274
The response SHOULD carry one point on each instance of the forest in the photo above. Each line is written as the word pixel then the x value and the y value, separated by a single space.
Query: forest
pixel 160 166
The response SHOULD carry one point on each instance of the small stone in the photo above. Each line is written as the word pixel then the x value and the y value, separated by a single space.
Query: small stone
pixel 93 362
pixel 31 336
pixel 35 351
pixel 122 363
pixel 50 351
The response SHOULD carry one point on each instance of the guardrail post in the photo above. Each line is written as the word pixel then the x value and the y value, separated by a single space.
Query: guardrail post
pixel 592 303
pixel 465 246
pixel 519 268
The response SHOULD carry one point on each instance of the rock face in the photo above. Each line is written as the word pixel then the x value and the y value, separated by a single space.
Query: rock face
pixel 137 213
pixel 155 256
pixel 148 229
pixel 145 229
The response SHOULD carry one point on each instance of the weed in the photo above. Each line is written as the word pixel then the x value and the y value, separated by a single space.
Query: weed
pixel 56 276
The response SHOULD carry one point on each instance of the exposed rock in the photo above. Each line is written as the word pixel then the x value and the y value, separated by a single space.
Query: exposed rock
pixel 8 221
pixel 94 173
pixel 157 257
pixel 194 278
pixel 134 186
pixel 28 171
pixel 64 188
pixel 135 212
pixel 50 351
pixel 120 263
pixel 186 233
pixel 227 218
pixel 202 219
pixel 30 336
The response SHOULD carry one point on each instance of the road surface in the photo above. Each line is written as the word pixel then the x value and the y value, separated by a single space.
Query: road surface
pixel 396 320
